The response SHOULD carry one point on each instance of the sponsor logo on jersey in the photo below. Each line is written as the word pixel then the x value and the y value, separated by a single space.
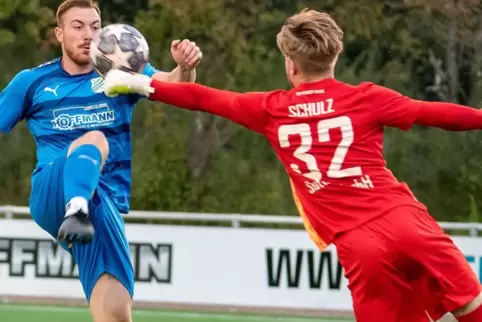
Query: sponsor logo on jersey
pixel 52 90
pixel 77 117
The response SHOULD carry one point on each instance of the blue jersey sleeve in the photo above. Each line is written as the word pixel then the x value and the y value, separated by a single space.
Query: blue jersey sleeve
pixel 13 102
pixel 149 70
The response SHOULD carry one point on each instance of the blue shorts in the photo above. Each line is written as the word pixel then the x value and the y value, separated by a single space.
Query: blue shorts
pixel 109 250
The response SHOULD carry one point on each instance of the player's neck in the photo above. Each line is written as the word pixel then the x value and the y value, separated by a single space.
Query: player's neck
pixel 74 69
pixel 316 78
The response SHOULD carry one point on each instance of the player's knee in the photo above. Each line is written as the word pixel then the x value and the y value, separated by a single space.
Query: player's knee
pixel 113 312
pixel 110 301
pixel 469 307
pixel 96 138
pixel 117 311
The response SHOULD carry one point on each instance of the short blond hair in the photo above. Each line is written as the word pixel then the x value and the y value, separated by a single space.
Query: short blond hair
pixel 69 4
pixel 312 40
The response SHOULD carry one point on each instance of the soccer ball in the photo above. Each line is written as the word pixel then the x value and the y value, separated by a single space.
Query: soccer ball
pixel 119 46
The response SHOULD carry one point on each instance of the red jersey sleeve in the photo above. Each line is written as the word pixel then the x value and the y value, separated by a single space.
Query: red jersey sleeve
pixel 448 116
pixel 394 109
pixel 247 109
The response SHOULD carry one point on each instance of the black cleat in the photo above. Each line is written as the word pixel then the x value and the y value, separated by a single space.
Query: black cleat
pixel 76 228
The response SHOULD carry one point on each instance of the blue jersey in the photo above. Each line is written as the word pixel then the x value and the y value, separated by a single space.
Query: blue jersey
pixel 60 107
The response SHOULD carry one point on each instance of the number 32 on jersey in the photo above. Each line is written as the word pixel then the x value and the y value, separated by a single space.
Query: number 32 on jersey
pixel 302 153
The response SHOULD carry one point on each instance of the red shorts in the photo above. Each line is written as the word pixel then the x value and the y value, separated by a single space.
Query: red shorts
pixel 402 266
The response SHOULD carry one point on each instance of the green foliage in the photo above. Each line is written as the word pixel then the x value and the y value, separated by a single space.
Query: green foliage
pixel 24 25
pixel 186 161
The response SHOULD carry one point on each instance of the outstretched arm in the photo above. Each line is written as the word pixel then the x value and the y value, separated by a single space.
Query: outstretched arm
pixel 177 75
pixel 448 116
pixel 14 102
pixel 396 110
pixel 247 109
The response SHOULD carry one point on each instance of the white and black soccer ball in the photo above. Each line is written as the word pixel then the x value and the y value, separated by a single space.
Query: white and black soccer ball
pixel 119 46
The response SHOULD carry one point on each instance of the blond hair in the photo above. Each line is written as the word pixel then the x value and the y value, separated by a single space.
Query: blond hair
pixel 312 40
pixel 69 4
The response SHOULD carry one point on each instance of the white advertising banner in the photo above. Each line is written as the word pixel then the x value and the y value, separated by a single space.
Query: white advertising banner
pixel 195 265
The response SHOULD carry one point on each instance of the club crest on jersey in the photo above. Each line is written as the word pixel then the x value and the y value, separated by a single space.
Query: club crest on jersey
pixel 97 85
pixel 83 117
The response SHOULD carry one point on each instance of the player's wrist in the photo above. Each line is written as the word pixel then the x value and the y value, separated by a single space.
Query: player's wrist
pixel 184 68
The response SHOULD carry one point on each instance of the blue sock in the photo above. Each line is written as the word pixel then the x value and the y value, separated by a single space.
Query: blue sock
pixel 82 172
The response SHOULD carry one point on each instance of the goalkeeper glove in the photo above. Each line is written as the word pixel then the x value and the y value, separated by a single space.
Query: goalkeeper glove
pixel 118 82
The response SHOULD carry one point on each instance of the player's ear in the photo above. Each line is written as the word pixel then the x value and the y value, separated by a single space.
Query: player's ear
pixel 59 33
pixel 333 64
pixel 291 67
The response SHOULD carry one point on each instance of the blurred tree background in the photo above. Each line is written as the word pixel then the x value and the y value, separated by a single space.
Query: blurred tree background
pixel 185 161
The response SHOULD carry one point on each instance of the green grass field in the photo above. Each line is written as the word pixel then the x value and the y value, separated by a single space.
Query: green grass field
pixel 42 313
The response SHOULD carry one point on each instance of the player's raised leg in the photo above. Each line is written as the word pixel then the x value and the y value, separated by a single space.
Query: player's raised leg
pixel 82 168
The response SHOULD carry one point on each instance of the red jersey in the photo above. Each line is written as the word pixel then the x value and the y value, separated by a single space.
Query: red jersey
pixel 329 136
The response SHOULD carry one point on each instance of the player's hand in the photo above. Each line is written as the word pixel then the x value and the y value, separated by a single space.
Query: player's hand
pixel 186 54
pixel 118 82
